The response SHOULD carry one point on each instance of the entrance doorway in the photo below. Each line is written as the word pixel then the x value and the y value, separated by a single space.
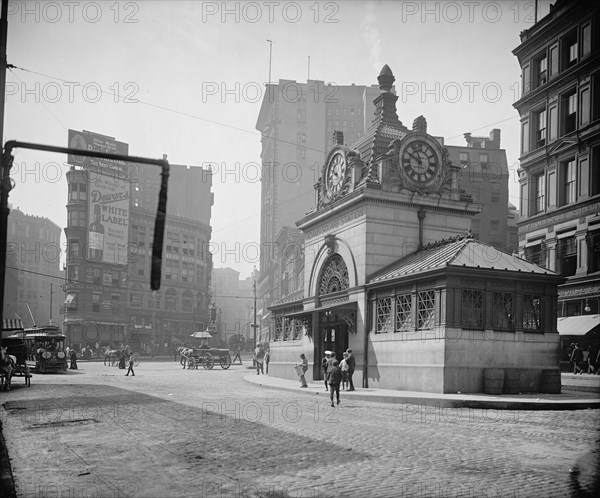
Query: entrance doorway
pixel 333 337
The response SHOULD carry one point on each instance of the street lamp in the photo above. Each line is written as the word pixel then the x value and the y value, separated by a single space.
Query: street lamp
pixel 587 308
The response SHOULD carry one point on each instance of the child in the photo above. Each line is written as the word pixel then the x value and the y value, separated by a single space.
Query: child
pixel 344 368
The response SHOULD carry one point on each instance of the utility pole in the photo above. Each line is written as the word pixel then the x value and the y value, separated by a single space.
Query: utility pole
pixel 51 292
pixel 5 181
pixel 255 325
pixel 270 54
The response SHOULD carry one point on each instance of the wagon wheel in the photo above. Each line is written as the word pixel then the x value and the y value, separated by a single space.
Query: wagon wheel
pixel 225 362
pixel 208 361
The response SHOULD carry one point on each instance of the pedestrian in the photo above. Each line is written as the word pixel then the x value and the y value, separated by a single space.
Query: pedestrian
pixel 131 362
pixel 259 358
pixel 334 377
pixel 324 365
pixel 267 358
pixel 122 356
pixel 344 369
pixel 301 369
pixel 237 356
pixel 73 359
pixel 576 359
pixel 351 365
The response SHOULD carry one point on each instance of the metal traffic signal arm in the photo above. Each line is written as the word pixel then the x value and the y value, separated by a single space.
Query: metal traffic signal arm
pixel 6 187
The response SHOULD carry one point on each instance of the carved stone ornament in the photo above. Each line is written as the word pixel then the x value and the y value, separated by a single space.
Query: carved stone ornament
pixel 334 276
pixel 330 243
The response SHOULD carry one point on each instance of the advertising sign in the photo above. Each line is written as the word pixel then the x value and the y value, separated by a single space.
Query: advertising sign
pixel 86 140
pixel 108 218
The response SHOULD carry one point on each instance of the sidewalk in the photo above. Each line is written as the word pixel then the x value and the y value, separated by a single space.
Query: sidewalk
pixel 569 399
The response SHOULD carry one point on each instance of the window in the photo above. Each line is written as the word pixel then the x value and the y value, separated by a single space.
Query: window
pixel 464 158
pixel 524 200
pixel 540 132
pixel 278 328
pixel 287 329
pixel 472 309
pixel 525 137
pixel 425 310
pixel 135 298
pixel 540 190
pixel 114 303
pixel 384 315
pixel 568 177
pixel 495 192
pixel 171 300
pixel 541 67
pixel 484 158
pixel 532 313
pixel 73 248
pixel 503 315
pixel 76 218
pixel 525 79
pixel 569 112
pixel 566 256
pixel 187 301
pixel 536 253
pixel 97 272
pixel 494 230
pixel 96 302
pixel 592 240
pixel 300 153
pixel 569 50
pixel 404 320
pixel 73 273
pixel 298 330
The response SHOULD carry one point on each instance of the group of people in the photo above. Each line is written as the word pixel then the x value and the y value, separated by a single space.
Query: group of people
pixel 584 360
pixel 334 373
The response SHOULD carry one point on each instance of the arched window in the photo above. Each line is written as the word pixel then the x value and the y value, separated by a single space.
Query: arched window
pixel 334 276
pixel 171 299
pixel 187 301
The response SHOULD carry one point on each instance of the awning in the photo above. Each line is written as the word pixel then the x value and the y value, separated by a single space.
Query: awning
pixel 12 324
pixel 344 306
pixel 578 325
pixel 70 301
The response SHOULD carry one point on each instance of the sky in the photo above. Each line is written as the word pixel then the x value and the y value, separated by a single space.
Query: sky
pixel 186 79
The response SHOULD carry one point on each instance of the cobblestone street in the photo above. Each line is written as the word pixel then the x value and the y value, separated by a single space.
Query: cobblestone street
pixel 174 432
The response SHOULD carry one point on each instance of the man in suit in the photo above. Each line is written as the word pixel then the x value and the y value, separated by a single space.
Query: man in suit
pixel 351 365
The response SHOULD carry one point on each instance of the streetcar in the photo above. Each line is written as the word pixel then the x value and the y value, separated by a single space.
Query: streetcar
pixel 46 349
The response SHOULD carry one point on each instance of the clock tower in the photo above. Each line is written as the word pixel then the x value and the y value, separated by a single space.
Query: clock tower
pixel 395 186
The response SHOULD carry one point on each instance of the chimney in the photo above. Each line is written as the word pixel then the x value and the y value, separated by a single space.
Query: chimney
pixel 338 137
pixel 495 137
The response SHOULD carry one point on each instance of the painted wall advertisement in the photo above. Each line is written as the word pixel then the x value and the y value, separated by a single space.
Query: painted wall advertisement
pixel 108 213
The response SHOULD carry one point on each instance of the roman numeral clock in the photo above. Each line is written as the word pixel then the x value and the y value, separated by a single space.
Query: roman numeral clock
pixel 419 161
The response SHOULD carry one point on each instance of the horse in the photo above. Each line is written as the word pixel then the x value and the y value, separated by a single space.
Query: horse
pixel 186 354
pixel 112 356
pixel 7 367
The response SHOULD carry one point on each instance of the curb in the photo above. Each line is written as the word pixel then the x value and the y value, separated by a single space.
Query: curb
pixel 449 400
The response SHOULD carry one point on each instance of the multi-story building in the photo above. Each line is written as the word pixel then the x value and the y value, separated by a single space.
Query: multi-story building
pixel 484 175
pixel 231 296
pixel 297 121
pixel 559 227
pixel 109 239
pixel 33 256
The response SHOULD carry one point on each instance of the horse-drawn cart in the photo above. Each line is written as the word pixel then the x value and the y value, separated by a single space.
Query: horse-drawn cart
pixel 206 357
pixel 17 348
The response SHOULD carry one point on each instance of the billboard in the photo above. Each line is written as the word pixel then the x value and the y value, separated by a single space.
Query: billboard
pixel 86 140
pixel 108 220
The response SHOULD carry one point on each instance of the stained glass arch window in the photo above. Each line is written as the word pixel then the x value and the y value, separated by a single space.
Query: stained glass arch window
pixel 334 276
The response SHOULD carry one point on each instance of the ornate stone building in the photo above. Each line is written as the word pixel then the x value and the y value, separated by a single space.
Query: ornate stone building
pixel 559 227
pixel 390 272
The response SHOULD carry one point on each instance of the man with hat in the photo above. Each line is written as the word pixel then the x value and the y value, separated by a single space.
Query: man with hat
pixel 351 361
pixel 325 365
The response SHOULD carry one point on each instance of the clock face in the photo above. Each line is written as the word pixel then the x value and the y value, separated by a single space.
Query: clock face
pixel 420 161
pixel 335 174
